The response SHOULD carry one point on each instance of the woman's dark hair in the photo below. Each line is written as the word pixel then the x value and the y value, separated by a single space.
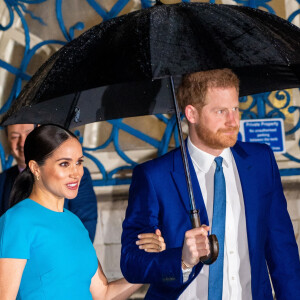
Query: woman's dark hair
pixel 39 145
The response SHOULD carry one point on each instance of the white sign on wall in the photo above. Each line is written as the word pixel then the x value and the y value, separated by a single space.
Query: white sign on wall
pixel 268 131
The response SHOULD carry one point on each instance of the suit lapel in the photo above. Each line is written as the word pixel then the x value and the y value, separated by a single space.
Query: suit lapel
pixel 247 177
pixel 179 178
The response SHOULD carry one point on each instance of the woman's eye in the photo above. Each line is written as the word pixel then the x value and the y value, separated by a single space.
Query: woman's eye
pixel 64 164
pixel 80 162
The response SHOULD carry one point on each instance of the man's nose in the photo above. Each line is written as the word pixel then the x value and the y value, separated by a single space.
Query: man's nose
pixel 21 141
pixel 232 119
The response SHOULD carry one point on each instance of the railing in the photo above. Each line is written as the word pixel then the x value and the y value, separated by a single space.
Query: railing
pixel 268 105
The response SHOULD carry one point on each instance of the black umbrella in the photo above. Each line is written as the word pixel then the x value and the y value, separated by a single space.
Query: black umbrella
pixel 140 53
pixel 163 41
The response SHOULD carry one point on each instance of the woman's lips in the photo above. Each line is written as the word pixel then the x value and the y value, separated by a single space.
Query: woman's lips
pixel 72 186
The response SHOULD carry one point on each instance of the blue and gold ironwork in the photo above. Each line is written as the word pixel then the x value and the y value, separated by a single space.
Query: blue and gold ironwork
pixel 267 105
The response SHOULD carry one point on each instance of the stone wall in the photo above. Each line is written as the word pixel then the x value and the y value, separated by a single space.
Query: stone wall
pixel 111 213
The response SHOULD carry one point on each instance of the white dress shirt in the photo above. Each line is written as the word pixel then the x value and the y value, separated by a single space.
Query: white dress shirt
pixel 237 270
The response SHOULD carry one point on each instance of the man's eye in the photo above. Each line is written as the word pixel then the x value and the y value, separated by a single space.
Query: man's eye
pixel 219 112
pixel 236 109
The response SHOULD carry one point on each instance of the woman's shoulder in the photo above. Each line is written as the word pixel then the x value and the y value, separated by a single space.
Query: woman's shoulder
pixel 24 206
pixel 16 231
pixel 72 218
pixel 20 212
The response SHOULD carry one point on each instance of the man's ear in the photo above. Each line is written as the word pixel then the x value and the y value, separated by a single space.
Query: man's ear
pixel 34 168
pixel 191 113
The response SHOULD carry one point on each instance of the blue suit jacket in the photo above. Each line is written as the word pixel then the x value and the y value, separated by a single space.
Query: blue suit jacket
pixel 159 199
pixel 84 205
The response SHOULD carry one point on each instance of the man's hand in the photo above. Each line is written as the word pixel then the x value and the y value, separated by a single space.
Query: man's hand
pixel 195 245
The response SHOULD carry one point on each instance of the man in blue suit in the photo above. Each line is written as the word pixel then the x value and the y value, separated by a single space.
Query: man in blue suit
pixel 85 203
pixel 257 234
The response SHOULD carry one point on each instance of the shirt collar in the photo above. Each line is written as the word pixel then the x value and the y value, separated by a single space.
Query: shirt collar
pixel 204 160
pixel 21 169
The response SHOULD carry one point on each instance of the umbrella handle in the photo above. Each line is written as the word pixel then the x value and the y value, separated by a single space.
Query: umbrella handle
pixel 213 241
pixel 214 251
pixel 195 219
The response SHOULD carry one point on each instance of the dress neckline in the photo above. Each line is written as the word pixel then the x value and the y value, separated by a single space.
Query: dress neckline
pixel 45 208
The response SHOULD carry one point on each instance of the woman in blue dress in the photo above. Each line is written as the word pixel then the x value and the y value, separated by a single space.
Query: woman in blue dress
pixel 45 251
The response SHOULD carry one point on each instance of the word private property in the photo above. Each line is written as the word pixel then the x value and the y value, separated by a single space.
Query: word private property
pixel 268 131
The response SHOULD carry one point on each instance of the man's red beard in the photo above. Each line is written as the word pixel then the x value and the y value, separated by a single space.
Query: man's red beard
pixel 217 140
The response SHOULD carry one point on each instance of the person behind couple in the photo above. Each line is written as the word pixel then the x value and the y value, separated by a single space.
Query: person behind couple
pixel 84 205
pixel 45 251
pixel 257 234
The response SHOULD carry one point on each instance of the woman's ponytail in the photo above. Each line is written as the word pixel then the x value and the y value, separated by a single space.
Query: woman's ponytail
pixel 22 187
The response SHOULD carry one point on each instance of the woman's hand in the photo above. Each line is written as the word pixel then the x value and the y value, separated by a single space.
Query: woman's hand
pixel 121 289
pixel 151 242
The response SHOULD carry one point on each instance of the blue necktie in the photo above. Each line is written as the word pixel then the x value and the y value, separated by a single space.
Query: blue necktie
pixel 215 281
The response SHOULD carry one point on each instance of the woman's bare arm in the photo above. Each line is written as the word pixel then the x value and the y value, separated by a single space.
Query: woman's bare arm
pixel 122 289
pixel 11 270
pixel 117 290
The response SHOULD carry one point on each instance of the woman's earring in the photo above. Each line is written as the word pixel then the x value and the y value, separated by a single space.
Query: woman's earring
pixel 37 177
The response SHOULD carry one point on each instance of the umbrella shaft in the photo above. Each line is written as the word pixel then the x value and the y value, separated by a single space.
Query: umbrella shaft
pixel 194 214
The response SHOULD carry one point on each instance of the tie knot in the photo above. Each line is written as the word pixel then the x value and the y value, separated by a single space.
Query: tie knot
pixel 219 161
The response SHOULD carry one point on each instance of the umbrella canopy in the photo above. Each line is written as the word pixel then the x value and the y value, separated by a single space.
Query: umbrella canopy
pixel 155 43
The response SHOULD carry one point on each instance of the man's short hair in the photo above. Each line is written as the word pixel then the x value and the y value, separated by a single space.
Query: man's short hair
pixel 194 86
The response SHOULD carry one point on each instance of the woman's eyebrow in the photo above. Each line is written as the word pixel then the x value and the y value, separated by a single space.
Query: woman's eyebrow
pixel 64 158
pixel 68 158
